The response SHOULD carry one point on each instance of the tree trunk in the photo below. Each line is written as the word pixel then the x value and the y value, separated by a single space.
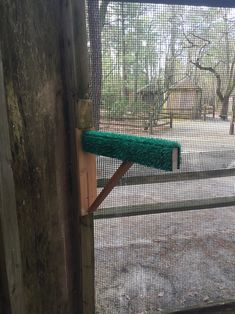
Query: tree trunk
pixel 30 38
pixel 227 44
pixel 136 76
pixel 103 11
pixel 171 58
pixel 124 65
pixel 224 109
pixel 96 58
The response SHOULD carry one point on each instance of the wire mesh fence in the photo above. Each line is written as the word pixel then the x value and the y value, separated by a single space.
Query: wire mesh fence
pixel 169 72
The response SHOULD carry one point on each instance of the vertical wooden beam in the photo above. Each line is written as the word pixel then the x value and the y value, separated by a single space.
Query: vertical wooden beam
pixel 11 285
pixel 86 176
pixel 75 59
pixel 231 129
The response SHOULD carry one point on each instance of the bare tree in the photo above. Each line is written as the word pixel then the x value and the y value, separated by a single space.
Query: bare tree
pixel 225 79
pixel 171 55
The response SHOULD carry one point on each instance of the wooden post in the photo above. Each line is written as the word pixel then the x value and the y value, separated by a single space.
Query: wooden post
pixel 171 120
pixel 231 130
pixel 204 113
pixel 151 121
pixel 75 59
pixel 213 111
pixel 11 285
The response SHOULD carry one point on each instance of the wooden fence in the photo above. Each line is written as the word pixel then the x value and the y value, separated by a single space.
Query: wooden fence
pixel 168 207
pixel 208 111
pixel 146 122
pixel 149 121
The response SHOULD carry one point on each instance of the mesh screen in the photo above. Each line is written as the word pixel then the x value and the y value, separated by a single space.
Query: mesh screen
pixel 165 240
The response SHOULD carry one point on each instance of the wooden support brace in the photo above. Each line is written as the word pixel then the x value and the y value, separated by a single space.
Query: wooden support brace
pixel 89 202
pixel 87 179
pixel 119 173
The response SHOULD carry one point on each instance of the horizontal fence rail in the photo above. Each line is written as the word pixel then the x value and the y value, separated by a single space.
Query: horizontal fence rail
pixel 171 177
pixel 167 207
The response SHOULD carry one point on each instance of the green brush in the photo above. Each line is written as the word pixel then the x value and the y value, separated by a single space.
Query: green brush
pixel 151 152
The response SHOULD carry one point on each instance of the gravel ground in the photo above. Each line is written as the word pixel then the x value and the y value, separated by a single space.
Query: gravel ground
pixel 165 261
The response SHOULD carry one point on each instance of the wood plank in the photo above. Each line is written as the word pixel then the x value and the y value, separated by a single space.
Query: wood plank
pixel 75 58
pixel 86 175
pixel 172 177
pixel 10 252
pixel 167 207
pixel 175 159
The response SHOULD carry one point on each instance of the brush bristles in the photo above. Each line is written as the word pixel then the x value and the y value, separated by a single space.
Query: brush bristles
pixel 150 152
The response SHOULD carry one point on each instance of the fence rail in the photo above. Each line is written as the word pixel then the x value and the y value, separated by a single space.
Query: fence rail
pixel 172 177
pixel 208 110
pixel 165 114
pixel 166 207
pixel 140 121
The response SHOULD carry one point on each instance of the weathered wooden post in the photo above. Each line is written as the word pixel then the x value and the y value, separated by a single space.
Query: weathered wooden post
pixel 38 127
pixel 75 56
pixel 204 112
pixel 11 281
pixel 213 111
pixel 231 130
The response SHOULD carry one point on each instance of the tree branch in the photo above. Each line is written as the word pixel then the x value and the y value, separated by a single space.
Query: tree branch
pixel 215 73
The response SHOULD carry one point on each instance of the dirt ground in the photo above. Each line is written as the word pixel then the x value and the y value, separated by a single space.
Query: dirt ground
pixel 146 264
pixel 165 261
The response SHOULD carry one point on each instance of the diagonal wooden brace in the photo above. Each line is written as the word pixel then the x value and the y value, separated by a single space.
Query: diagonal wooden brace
pixel 123 168
pixel 90 202
pixel 119 173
